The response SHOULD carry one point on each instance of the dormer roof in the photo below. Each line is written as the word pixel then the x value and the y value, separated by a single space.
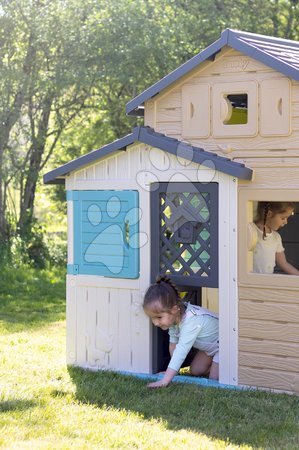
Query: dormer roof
pixel 148 136
pixel 279 54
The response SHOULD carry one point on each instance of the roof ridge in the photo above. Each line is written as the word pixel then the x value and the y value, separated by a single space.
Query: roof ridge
pixel 148 135
pixel 242 41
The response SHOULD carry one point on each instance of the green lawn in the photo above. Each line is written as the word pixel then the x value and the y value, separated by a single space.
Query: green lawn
pixel 44 405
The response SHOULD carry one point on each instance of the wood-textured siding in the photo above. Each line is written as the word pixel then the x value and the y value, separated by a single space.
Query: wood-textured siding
pixel 269 338
pixel 106 326
pixel 165 112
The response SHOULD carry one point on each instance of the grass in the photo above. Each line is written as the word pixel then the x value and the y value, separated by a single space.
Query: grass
pixel 45 405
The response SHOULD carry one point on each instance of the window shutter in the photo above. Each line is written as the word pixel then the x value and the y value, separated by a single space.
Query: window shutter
pixel 105 230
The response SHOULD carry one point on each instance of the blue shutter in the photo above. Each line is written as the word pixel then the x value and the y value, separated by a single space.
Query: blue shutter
pixel 106 227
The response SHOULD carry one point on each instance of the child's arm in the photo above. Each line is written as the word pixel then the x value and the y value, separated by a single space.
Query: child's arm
pixel 168 376
pixel 172 347
pixel 180 350
pixel 282 262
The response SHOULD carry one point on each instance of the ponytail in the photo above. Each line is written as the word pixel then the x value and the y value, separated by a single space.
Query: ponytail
pixel 163 292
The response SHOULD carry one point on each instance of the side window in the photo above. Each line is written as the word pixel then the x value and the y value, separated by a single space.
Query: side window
pixel 272 228
pixel 257 263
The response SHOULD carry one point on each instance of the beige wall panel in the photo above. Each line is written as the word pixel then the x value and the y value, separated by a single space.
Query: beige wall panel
pixel 273 295
pixel 272 379
pixel 280 363
pixel 276 331
pixel 268 311
pixel 173 129
pixel 295 124
pixel 169 114
pixel 169 100
pixel 149 114
pixel 281 162
pixel 236 62
pixel 267 178
pixel 268 347
pixel 295 109
pixel 231 146
pixel 295 91
pixel 211 79
pixel 168 108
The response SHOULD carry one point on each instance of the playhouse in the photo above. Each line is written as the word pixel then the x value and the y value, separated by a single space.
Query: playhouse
pixel 174 197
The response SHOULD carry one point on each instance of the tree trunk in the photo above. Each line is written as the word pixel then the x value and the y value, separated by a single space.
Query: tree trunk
pixel 7 122
pixel 34 165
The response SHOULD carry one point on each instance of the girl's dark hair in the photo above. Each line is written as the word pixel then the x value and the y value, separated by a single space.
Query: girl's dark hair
pixel 164 293
pixel 276 207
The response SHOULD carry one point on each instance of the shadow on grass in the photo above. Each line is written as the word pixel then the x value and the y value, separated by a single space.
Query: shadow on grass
pixel 31 298
pixel 16 405
pixel 258 419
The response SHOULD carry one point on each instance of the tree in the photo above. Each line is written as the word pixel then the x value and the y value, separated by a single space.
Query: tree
pixel 49 73
pixel 69 66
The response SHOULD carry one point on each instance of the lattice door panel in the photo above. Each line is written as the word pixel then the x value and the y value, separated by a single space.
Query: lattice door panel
pixel 186 235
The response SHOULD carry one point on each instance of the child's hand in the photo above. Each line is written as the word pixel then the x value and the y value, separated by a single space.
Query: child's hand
pixel 168 376
pixel 157 384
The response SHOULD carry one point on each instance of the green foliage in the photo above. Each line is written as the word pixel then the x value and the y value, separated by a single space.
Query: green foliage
pixel 69 67
pixel 30 298
pixel 35 249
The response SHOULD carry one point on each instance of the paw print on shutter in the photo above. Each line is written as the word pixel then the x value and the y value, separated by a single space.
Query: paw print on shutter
pixel 106 233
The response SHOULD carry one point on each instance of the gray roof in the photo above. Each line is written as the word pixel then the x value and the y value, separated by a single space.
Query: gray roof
pixel 280 54
pixel 148 136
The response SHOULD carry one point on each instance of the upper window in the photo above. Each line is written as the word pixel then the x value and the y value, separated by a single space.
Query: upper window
pixel 237 113
pixel 235 109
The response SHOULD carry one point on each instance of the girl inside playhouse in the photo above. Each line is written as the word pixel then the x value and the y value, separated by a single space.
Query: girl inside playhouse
pixel 265 241
pixel 188 326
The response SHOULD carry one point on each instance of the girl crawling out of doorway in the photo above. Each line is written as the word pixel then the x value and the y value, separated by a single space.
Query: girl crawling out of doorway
pixel 189 326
